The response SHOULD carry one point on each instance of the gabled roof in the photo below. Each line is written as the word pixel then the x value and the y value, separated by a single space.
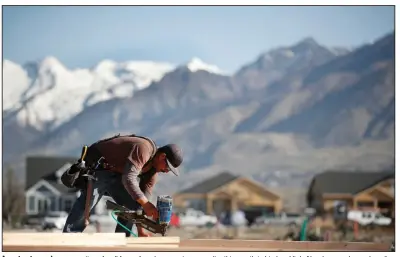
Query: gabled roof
pixel 58 173
pixel 211 183
pixel 44 167
pixel 61 188
pixel 348 182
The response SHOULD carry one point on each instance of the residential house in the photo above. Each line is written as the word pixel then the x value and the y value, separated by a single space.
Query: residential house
pixel 44 190
pixel 356 190
pixel 226 191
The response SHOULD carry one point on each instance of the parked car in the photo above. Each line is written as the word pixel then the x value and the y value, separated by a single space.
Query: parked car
pixel 192 217
pixel 368 217
pixel 54 220
pixel 280 219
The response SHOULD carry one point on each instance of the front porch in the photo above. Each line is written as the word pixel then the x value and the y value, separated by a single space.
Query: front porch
pixel 241 194
pixel 43 197
pixel 374 198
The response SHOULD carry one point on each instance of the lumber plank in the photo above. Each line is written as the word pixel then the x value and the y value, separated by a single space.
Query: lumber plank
pixel 150 249
pixel 153 240
pixel 51 234
pixel 64 239
pixel 151 246
pixel 95 242
pixel 271 244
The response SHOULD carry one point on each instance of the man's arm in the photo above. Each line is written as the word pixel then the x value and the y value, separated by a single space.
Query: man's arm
pixel 137 158
pixel 146 186
pixel 131 183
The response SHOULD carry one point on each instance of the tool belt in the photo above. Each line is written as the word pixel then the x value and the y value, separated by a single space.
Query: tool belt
pixel 76 176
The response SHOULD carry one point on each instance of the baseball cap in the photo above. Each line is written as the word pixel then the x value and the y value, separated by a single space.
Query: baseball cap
pixel 174 157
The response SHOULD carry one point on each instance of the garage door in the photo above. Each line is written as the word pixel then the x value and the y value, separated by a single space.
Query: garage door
pixel 253 212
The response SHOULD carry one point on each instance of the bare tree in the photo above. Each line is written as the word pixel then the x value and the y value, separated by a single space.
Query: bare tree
pixel 13 196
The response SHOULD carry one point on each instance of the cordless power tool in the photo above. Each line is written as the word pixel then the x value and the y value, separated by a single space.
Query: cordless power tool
pixel 164 207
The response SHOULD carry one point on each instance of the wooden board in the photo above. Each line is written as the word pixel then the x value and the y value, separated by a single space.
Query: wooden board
pixel 272 244
pixel 64 239
pixel 149 248
pixel 153 240
pixel 118 242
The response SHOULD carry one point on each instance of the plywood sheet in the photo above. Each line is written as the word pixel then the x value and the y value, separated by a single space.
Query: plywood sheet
pixel 153 240
pixel 272 244
pixel 64 239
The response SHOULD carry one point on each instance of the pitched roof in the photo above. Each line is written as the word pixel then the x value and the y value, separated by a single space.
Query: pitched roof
pixel 348 182
pixel 61 188
pixel 211 183
pixel 43 167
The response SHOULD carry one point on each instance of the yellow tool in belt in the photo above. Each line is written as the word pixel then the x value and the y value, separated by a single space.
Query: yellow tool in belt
pixel 83 154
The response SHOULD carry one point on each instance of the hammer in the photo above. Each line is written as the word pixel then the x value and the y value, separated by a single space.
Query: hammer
pixel 89 187
pixel 90 178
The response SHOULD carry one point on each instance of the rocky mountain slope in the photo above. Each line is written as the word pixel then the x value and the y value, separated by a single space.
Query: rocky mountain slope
pixel 46 94
pixel 292 112
pixel 41 96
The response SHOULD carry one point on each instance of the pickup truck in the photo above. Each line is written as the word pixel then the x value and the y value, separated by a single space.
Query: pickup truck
pixel 368 217
pixel 279 219
pixel 192 217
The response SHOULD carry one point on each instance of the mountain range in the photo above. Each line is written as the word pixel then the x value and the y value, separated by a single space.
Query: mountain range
pixel 292 112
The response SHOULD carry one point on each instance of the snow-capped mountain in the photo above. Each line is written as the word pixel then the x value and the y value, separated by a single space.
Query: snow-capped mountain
pixel 282 126
pixel 196 64
pixel 45 94
pixel 279 63
pixel 299 109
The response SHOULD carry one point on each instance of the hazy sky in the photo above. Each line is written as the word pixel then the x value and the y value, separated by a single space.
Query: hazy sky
pixel 226 36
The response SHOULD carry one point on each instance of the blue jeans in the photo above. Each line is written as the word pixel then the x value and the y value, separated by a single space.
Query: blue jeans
pixel 111 183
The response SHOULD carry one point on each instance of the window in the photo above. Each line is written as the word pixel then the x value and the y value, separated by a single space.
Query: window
pixel 197 204
pixel 43 205
pixel 60 203
pixel 68 205
pixel 32 203
pixel 53 200
pixel 365 204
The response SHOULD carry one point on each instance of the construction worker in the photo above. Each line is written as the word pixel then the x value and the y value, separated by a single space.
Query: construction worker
pixel 127 159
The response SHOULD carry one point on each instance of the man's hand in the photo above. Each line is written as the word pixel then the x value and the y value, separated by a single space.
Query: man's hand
pixel 150 210
pixel 144 234
pixel 141 232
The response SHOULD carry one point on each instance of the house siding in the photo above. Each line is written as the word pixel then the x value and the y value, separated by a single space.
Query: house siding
pixel 52 195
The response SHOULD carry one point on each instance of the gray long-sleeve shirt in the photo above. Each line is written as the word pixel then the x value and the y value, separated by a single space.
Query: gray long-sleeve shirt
pixel 129 155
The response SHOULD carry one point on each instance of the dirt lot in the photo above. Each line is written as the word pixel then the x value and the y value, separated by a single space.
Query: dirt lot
pixel 377 235
pixel 260 233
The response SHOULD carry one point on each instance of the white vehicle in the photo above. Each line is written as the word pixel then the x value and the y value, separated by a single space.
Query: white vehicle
pixel 55 220
pixel 192 217
pixel 104 218
pixel 368 217
pixel 280 219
